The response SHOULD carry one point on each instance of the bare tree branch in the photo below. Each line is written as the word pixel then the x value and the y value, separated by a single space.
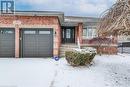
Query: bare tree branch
pixel 117 18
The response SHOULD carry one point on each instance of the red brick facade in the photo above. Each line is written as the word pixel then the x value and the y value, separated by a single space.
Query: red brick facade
pixel 108 48
pixel 33 22
pixel 53 22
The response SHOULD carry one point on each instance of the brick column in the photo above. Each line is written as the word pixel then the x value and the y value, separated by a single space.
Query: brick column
pixel 76 34
pixel 16 41
pixel 57 41
pixel 80 32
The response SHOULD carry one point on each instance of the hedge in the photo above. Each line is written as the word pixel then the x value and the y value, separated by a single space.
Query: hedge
pixel 76 58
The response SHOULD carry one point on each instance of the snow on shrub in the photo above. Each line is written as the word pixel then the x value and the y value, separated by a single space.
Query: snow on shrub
pixel 80 57
pixel 86 50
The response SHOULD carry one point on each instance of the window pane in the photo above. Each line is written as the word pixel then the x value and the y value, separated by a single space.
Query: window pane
pixel 44 32
pixel 68 33
pixel 63 33
pixel 29 32
pixel 94 33
pixel 89 32
pixel 84 32
pixel 89 27
pixel 6 32
pixel 9 32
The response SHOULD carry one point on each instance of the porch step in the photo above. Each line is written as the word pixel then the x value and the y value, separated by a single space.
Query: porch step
pixel 66 47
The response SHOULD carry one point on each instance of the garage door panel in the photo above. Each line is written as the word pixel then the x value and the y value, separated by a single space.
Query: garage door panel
pixel 7 53
pixel 7 42
pixel 29 44
pixel 29 54
pixel 6 38
pixel 31 49
pixel 46 49
pixel 37 42
pixel 44 41
pixel 6 49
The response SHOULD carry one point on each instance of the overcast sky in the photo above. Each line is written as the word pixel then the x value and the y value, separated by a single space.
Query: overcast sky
pixel 70 7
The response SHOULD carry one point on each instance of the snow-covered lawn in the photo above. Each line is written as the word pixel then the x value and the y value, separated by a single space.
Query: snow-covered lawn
pixel 107 71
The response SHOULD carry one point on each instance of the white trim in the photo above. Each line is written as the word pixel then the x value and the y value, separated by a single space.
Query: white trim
pixel 91 28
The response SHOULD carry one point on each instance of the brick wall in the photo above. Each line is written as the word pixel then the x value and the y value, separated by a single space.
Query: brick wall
pixel 107 50
pixel 79 32
pixel 33 22
pixel 30 20
pixel 109 46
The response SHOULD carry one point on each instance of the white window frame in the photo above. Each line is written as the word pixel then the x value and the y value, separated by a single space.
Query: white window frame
pixel 86 36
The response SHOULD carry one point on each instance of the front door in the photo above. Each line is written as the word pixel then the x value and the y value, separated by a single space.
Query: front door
pixel 68 35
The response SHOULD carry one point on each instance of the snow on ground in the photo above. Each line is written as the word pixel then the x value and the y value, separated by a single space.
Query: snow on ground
pixel 106 71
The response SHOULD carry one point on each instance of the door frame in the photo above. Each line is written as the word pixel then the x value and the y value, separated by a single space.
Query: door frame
pixel 63 34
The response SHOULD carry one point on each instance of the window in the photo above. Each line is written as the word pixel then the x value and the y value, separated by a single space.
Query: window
pixel 89 32
pixel 29 32
pixel 44 32
pixel 68 35
pixel 6 32
pixel 63 33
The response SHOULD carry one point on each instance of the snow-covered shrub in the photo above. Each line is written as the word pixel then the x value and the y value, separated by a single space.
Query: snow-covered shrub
pixel 80 57
pixel 87 50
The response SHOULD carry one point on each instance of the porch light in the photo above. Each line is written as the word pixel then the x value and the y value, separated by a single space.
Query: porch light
pixel 55 33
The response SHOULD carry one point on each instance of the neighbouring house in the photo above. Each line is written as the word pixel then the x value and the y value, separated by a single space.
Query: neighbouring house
pixel 43 33
pixel 124 43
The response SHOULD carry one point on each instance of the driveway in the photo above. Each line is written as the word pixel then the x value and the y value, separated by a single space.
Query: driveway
pixel 106 71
